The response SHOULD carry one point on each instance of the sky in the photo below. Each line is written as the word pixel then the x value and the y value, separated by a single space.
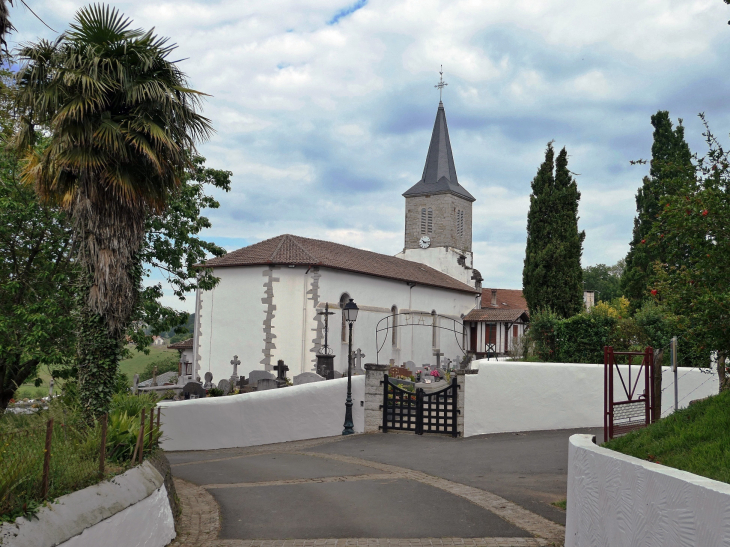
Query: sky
pixel 323 109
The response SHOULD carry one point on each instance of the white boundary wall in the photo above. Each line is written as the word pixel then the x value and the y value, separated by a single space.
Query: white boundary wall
pixel 616 500
pixel 307 411
pixel 129 509
pixel 506 396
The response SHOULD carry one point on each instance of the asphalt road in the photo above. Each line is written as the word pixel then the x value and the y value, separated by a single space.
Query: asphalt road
pixel 280 495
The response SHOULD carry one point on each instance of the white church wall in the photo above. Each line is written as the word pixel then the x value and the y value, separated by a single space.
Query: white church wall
pixel 231 322
pixel 289 323
pixel 307 411
pixel 375 296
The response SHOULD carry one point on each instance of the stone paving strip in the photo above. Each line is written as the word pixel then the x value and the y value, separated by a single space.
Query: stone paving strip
pixel 346 478
pixel 505 509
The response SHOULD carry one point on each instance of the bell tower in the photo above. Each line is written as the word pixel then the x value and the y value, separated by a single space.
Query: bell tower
pixel 439 212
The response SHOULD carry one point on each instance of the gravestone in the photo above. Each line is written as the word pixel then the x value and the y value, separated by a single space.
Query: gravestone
pixel 267 383
pixel 193 390
pixel 325 364
pixel 281 370
pixel 410 365
pixel 225 386
pixel 242 382
pixel 50 388
pixel 256 375
pixel 438 354
pixel 357 357
pixel 398 372
pixel 135 384
pixel 306 378
pixel 208 380
pixel 234 377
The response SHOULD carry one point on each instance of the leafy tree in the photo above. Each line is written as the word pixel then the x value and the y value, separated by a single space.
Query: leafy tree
pixel 671 167
pixel 121 121
pixel 552 276
pixel 693 234
pixel 605 280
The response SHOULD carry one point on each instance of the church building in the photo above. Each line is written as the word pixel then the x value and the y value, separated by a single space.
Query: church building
pixel 272 296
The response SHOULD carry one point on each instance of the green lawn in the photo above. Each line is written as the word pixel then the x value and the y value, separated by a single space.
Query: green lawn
pixel 130 367
pixel 695 439
pixel 136 364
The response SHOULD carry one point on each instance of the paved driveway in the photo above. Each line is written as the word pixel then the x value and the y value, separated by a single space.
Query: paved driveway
pixel 388 486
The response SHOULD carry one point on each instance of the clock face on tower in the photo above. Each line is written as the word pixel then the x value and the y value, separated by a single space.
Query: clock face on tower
pixel 424 242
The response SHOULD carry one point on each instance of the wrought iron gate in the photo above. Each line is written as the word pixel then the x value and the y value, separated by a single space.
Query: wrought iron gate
pixel 420 412
pixel 632 409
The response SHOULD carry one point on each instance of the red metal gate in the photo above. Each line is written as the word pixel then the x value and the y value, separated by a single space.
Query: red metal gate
pixel 625 408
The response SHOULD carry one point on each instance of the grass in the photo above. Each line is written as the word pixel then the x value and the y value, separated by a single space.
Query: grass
pixel 134 365
pixel 562 504
pixel 137 363
pixel 695 439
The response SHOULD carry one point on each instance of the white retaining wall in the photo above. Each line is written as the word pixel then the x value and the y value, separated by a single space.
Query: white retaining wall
pixel 130 509
pixel 307 411
pixel 616 500
pixel 508 396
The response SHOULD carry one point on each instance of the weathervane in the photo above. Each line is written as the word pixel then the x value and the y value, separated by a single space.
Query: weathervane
pixel 441 83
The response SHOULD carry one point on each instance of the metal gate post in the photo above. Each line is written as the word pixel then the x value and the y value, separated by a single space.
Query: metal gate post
pixel 385 403
pixel 649 381
pixel 454 407
pixel 419 411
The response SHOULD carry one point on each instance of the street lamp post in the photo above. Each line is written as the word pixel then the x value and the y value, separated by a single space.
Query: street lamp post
pixel 350 312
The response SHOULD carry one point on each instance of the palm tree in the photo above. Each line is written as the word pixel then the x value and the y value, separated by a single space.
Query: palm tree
pixel 121 122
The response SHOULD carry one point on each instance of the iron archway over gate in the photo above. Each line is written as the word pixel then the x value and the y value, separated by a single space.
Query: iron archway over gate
pixel 401 320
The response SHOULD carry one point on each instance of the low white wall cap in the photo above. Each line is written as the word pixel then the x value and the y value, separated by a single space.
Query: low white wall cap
pixel 71 514
pixel 584 441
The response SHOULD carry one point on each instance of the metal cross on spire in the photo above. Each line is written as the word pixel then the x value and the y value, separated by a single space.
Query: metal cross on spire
pixel 441 83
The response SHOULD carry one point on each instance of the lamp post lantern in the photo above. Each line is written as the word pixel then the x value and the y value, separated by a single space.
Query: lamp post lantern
pixel 350 312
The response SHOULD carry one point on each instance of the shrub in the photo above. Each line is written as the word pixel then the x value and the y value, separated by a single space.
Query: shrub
pixel 132 405
pixel 215 392
pixel 542 334
pixel 581 338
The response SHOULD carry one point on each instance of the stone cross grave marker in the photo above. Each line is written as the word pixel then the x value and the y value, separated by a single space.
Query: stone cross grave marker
pixel 154 376
pixel 438 354
pixel 225 386
pixel 241 382
pixel 135 384
pixel 208 380
pixel 281 369
pixel 50 388
pixel 234 377
pixel 357 357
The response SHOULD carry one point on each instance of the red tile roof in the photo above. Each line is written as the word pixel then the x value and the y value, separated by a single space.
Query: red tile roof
pixel 510 306
pixel 289 249
pixel 493 314
pixel 184 344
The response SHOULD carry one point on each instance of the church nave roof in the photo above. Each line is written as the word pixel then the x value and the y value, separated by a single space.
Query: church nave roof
pixel 290 249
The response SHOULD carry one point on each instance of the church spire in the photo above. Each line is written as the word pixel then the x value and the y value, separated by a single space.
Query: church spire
pixel 439 173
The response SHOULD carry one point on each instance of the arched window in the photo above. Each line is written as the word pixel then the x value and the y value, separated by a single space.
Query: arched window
pixel 394 334
pixel 429 221
pixel 434 329
pixel 344 299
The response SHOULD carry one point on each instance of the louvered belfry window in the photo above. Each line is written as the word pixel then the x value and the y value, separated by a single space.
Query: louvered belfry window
pixel 460 223
pixel 426 221
pixel 423 220
pixel 430 221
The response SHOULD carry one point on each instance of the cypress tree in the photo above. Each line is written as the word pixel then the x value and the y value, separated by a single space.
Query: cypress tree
pixel 671 162
pixel 552 277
